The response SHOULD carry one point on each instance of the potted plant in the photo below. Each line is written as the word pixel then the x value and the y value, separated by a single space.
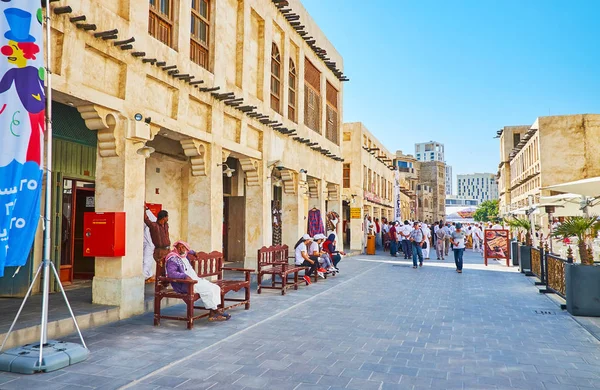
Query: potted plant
pixel 582 280
pixel 522 226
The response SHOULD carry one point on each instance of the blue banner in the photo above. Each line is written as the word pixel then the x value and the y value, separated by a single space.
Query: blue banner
pixel 22 125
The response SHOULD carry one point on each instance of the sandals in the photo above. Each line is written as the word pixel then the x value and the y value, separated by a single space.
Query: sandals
pixel 219 317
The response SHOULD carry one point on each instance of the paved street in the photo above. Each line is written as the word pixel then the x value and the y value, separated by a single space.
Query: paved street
pixel 378 325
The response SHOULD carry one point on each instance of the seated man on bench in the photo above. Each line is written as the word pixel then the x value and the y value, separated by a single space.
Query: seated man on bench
pixel 179 267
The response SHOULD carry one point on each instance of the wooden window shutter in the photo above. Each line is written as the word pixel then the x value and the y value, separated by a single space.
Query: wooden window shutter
pixel 312 75
pixel 332 95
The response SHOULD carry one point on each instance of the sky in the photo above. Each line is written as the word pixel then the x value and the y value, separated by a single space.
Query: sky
pixel 457 71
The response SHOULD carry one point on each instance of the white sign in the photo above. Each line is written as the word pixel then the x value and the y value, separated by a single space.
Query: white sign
pixel 397 204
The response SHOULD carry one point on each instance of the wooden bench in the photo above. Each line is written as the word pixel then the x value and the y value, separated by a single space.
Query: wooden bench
pixel 206 265
pixel 274 261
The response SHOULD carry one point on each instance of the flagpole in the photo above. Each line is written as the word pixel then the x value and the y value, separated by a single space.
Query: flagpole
pixel 67 353
pixel 49 186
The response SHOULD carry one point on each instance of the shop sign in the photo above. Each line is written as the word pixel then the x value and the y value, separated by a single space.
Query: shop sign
pixel 355 213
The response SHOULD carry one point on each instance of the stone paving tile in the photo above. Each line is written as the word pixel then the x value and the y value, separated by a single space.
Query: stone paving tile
pixel 427 329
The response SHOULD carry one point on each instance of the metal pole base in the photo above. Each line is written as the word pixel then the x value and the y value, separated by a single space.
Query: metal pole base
pixel 57 355
pixel 50 356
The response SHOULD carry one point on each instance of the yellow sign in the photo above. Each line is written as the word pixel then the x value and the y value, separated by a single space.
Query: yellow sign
pixel 355 212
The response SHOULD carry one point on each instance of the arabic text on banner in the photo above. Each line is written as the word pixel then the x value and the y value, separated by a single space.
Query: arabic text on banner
pixel 22 116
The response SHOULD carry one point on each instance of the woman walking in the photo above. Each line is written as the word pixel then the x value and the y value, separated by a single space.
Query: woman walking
pixel 458 242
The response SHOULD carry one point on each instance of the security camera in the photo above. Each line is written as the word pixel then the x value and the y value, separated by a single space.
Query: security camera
pixel 303 171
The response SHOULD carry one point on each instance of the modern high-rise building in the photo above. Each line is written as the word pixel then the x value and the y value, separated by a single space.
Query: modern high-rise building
pixel 429 151
pixel 480 186
pixel 434 151
pixel 449 181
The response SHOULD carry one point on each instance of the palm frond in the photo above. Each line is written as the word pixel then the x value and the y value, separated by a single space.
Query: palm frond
pixel 575 227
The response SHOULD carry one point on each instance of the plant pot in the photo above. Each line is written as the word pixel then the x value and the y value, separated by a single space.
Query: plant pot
pixel 525 259
pixel 583 289
pixel 514 252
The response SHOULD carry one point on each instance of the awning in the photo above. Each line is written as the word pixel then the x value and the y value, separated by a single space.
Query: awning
pixel 568 205
pixel 523 210
pixel 586 187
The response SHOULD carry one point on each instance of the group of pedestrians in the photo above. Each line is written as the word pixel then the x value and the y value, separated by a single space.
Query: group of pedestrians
pixel 415 240
pixel 319 254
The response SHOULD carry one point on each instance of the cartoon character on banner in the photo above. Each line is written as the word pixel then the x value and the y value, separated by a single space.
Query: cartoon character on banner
pixel 28 80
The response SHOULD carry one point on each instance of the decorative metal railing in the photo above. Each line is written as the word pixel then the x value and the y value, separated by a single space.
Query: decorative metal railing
pixel 536 262
pixel 556 274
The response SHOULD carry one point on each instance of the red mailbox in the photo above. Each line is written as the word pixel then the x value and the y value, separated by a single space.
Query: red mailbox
pixel 104 234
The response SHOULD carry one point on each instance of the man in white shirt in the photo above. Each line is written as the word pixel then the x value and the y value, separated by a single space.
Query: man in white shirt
pixel 477 236
pixel 427 233
pixel 405 231
pixel 447 231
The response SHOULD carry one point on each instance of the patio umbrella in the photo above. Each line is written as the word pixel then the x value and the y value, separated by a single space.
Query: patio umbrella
pixel 586 187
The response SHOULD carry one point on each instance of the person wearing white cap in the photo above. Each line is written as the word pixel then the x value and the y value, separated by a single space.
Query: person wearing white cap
pixel 302 258
pixel 316 252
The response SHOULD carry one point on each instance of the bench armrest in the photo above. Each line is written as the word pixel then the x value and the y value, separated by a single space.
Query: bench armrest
pixel 238 269
pixel 275 263
pixel 173 280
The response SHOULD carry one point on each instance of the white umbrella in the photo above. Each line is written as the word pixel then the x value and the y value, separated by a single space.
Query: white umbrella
pixel 586 187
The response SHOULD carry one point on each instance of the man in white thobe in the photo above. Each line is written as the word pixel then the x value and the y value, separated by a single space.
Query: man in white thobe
pixel 148 263
pixel 179 267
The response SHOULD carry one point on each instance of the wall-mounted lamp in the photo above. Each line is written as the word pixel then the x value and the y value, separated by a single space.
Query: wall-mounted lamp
pixel 227 171
pixel 145 151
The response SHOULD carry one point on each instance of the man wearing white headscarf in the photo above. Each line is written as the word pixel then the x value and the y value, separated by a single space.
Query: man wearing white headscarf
pixel 179 267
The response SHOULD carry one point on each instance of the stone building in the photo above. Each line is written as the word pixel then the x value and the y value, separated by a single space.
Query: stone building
pixel 408 173
pixel 510 137
pixel 425 203
pixel 368 182
pixel 554 150
pixel 225 113
pixel 433 174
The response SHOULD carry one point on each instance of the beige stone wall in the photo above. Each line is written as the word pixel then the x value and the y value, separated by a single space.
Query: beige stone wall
pixel 577 137
pixel 355 136
pixel 563 149
pixel 109 86
pixel 169 185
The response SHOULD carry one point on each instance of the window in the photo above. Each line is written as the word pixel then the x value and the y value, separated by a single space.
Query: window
pixel 199 36
pixel 312 96
pixel 346 175
pixel 333 130
pixel 275 78
pixel 160 21
pixel 292 92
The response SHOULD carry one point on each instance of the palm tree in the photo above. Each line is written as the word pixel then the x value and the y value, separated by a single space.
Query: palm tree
pixel 578 227
pixel 522 225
